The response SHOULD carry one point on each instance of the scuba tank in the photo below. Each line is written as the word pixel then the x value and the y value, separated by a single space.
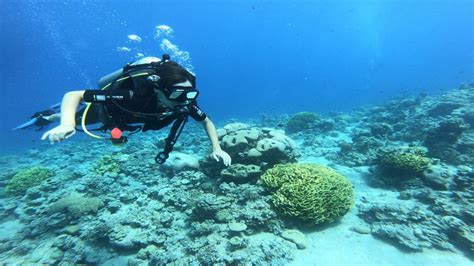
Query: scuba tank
pixel 107 79
pixel 107 82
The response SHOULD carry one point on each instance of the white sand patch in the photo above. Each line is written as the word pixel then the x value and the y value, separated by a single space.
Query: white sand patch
pixel 318 160
pixel 8 229
pixel 120 260
pixel 340 246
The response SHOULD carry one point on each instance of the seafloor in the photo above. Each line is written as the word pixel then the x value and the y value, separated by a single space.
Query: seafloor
pixel 410 162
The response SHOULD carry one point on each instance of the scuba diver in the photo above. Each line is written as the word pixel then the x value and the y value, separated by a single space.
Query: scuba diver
pixel 148 94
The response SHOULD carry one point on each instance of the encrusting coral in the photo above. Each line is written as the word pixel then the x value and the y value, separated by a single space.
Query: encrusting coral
pixel 27 178
pixel 309 192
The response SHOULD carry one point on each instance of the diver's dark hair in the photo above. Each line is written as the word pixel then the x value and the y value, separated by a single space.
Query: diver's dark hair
pixel 171 73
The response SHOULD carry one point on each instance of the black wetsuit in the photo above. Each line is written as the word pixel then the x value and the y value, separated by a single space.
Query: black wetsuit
pixel 138 109
pixel 101 112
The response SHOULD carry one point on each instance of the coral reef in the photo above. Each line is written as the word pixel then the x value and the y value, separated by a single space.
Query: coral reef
pixel 441 140
pixel 251 149
pixel 107 164
pixel 309 192
pixel 414 226
pixel 240 173
pixel 113 205
pixel 409 161
pixel 76 205
pixel 26 179
pixel 300 122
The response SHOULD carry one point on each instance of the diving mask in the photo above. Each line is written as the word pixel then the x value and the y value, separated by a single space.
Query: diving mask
pixel 180 94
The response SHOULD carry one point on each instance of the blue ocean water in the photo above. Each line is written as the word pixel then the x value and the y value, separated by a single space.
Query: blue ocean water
pixel 250 57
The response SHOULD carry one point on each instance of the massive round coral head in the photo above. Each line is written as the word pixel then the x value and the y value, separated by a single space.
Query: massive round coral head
pixel 309 192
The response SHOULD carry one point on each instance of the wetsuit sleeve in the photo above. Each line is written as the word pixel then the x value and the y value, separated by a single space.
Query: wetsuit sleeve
pixel 92 96
pixel 196 113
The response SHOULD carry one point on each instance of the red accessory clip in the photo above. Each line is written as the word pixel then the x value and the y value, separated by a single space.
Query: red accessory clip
pixel 116 133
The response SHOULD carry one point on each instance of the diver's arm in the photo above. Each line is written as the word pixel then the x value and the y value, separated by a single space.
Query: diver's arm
pixel 211 133
pixel 71 101
pixel 217 151
pixel 53 117
pixel 67 126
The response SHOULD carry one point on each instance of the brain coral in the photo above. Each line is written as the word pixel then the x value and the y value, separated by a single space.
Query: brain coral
pixel 77 205
pixel 258 146
pixel 25 179
pixel 252 150
pixel 309 192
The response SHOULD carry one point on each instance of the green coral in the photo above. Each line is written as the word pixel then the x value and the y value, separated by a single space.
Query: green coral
pixel 301 121
pixel 76 205
pixel 27 178
pixel 309 192
pixel 404 161
pixel 107 164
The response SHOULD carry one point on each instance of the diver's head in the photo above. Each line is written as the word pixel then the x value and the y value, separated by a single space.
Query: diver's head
pixel 174 85
pixel 178 94
pixel 171 73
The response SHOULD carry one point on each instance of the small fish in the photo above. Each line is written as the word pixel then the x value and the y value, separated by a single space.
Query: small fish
pixel 123 49
pixel 134 38
pixel 139 55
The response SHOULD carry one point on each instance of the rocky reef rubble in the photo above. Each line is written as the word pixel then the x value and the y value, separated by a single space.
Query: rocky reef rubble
pixel 422 147
pixel 438 177
pixel 414 226
pixel 117 206
pixel 443 124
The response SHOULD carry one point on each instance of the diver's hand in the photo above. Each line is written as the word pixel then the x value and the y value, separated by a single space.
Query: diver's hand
pixel 220 154
pixel 59 133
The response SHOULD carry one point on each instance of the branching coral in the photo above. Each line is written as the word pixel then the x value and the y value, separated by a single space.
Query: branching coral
pixel 309 192
pixel 107 164
pixel 25 179
pixel 404 161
